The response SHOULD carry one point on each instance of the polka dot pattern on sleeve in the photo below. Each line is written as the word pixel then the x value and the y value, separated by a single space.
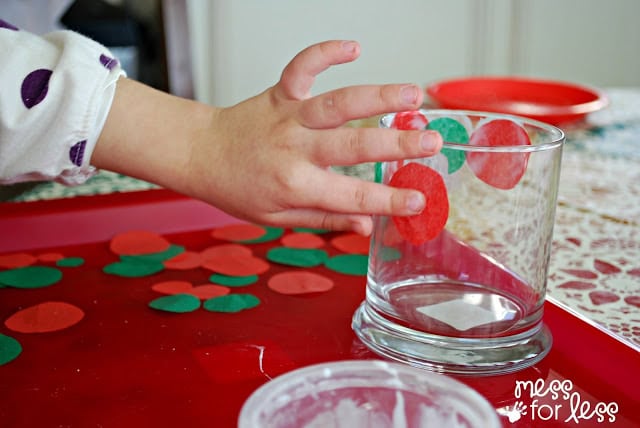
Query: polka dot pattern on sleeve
pixel 5 24
pixel 35 87
pixel 76 153
pixel 61 92
pixel 108 62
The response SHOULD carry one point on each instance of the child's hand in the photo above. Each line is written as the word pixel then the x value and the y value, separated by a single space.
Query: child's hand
pixel 267 159
pixel 270 161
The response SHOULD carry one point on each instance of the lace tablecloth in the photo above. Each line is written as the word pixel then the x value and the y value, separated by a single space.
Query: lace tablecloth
pixel 595 263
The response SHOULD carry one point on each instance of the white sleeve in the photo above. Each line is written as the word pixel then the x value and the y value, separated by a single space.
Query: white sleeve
pixel 55 94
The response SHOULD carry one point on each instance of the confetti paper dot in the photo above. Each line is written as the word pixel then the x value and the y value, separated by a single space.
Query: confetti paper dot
pixel 203 292
pixel 158 257
pixel 377 176
pixel 45 317
pixel 132 269
pixel 425 226
pixel 302 240
pixel 138 242
pixel 30 277
pixel 231 303
pixel 177 303
pixel 502 170
pixel 172 287
pixel 70 262
pixel 349 264
pixel 300 257
pixel 272 234
pixel 310 230
pixel 452 131
pixel 409 120
pixel 225 249
pixel 209 291
pixel 234 265
pixel 233 281
pixel 184 261
pixel 352 243
pixel 390 254
pixel 239 232
pixel 16 260
pixel 299 282
pixel 50 257
pixel 9 349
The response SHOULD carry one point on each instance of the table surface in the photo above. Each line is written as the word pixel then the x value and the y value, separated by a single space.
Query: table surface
pixel 594 277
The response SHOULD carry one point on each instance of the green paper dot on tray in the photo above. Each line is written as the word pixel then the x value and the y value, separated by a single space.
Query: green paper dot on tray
pixel 178 303
pixel 452 131
pixel 30 277
pixel 233 281
pixel 299 257
pixel 133 269
pixel 9 349
pixel 167 254
pixel 272 234
pixel 70 262
pixel 231 303
pixel 310 230
pixel 349 264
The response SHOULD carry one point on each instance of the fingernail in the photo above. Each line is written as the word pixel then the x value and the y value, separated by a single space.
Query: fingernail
pixel 416 202
pixel 360 229
pixel 349 47
pixel 409 94
pixel 428 142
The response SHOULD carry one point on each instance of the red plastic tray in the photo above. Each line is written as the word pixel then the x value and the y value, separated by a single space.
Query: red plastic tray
pixel 549 101
pixel 128 365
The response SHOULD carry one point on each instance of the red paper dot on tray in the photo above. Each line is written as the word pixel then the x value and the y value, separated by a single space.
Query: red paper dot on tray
pixel 208 291
pixel 351 243
pixel 16 260
pixel 427 225
pixel 137 242
pixel 239 232
pixel 50 257
pixel 235 265
pixel 299 282
pixel 45 317
pixel 409 120
pixel 305 240
pixel 502 170
pixel 224 250
pixel 184 261
pixel 172 287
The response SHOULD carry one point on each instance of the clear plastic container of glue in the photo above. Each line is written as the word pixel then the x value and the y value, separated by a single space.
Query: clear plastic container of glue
pixel 366 394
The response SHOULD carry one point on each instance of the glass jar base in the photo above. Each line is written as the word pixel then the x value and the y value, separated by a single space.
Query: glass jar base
pixel 459 356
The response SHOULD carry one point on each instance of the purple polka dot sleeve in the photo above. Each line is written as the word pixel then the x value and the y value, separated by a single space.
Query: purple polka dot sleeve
pixel 56 91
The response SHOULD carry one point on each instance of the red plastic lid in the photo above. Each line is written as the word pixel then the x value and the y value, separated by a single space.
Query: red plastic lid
pixel 553 102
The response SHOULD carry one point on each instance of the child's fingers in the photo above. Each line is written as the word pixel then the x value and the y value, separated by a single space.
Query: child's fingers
pixel 299 75
pixel 350 146
pixel 337 193
pixel 336 107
